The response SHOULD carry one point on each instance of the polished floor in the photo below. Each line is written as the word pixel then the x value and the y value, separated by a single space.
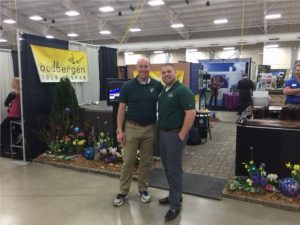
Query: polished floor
pixel 34 194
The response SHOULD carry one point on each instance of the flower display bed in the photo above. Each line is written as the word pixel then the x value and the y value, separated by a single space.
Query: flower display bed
pixel 83 165
pixel 275 200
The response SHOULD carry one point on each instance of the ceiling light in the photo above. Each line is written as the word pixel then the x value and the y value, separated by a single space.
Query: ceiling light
pixel 3 40
pixel 49 36
pixel 156 2
pixel 134 29
pixel 272 46
pixel 192 50
pixel 72 35
pixel 220 21
pixel 105 32
pixel 158 52
pixel 273 16
pixel 177 25
pixel 36 18
pixel 9 21
pixel 72 13
pixel 207 3
pixel 228 48
pixel 129 53
pixel 106 9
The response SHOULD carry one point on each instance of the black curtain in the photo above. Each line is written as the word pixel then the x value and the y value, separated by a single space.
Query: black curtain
pixel 14 55
pixel 37 96
pixel 107 68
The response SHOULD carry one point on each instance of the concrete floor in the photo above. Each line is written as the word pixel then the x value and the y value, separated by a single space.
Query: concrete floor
pixel 35 194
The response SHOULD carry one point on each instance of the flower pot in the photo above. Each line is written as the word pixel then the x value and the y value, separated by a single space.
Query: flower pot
pixel 89 153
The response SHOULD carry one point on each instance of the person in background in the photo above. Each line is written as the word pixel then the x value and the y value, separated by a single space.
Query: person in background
pixel 245 87
pixel 176 115
pixel 292 89
pixel 13 113
pixel 214 86
pixel 137 108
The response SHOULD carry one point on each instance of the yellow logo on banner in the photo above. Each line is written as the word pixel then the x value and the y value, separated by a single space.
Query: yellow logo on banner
pixel 156 74
pixel 53 64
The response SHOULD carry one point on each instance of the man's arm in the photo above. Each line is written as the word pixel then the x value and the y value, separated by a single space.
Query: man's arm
pixel 189 119
pixel 291 91
pixel 120 121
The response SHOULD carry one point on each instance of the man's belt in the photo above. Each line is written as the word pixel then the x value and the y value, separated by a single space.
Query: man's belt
pixel 138 123
pixel 171 129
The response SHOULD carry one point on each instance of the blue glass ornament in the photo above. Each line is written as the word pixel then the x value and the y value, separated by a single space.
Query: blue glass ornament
pixel 89 153
pixel 67 110
pixel 289 187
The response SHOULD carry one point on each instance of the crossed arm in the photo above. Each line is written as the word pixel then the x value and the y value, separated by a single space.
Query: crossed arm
pixel 291 91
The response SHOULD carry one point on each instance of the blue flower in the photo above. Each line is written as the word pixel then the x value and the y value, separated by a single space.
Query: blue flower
pixel 76 129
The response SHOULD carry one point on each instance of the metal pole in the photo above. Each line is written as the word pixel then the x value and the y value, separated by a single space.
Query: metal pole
pixel 21 94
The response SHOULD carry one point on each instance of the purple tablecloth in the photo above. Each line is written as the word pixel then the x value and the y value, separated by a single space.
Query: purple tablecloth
pixel 230 101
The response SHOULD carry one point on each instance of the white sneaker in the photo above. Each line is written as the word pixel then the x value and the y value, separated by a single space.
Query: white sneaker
pixel 144 196
pixel 120 199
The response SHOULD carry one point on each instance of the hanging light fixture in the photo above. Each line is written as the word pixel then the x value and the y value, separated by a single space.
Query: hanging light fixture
pixel 207 3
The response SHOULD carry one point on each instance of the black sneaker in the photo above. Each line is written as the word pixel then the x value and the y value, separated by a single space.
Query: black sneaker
pixel 119 199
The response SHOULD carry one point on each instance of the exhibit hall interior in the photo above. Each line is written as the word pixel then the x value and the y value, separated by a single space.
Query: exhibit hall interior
pixel 149 112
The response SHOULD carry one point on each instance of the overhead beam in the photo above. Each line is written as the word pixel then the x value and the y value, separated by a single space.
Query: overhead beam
pixel 25 25
pixel 174 18
pixel 92 19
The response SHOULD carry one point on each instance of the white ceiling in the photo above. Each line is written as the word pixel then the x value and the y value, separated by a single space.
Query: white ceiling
pixel 246 21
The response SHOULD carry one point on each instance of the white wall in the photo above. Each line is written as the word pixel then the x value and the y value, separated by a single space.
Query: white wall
pixel 159 58
pixel 278 58
pixel 194 57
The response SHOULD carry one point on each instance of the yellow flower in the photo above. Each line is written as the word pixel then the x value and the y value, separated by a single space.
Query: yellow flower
pixel 74 142
pixel 246 166
pixel 296 167
pixel 251 162
pixel 288 165
pixel 294 172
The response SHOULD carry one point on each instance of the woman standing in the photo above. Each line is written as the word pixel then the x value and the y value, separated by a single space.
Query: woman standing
pixel 214 86
pixel 13 113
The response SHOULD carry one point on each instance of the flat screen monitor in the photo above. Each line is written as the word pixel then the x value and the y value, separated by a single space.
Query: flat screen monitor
pixel 114 86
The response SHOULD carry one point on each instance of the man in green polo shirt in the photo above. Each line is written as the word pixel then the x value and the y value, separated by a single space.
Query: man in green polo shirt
pixel 176 115
pixel 137 107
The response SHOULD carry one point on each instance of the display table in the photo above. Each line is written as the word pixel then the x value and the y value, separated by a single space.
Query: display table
pixel 100 116
pixel 230 101
pixel 269 141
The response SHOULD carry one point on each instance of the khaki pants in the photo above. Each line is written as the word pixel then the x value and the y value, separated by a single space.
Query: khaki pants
pixel 141 138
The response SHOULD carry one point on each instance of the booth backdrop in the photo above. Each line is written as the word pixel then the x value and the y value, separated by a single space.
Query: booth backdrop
pixel 37 96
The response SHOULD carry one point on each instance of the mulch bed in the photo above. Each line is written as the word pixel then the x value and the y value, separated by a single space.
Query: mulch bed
pixel 275 200
pixel 81 162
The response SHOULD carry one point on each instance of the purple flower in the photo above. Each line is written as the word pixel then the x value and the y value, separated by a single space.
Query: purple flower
pixel 256 180
pixel 263 181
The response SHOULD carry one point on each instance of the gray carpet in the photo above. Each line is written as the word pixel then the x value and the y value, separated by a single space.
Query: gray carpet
pixel 193 184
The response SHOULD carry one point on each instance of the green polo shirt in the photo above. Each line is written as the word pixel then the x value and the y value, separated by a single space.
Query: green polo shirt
pixel 172 105
pixel 141 100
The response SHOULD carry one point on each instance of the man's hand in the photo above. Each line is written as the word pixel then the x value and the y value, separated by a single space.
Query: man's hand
pixel 121 138
pixel 181 136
